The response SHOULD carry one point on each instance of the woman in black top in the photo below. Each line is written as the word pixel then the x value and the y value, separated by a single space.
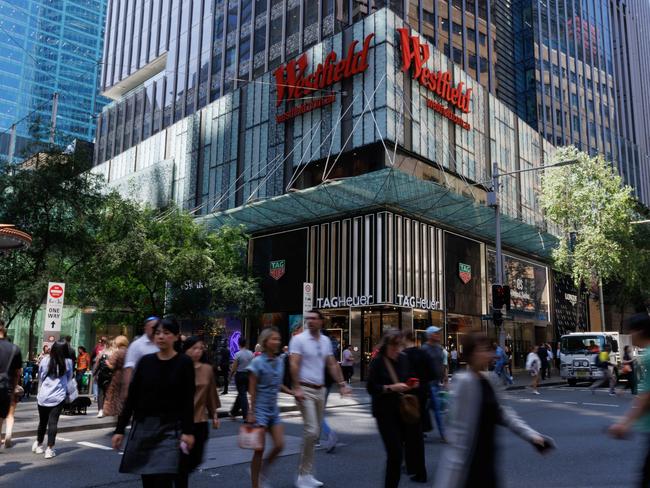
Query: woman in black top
pixel 628 369
pixel 161 402
pixel 385 393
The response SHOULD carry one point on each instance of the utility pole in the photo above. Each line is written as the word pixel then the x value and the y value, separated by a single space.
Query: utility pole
pixel 12 143
pixel 55 108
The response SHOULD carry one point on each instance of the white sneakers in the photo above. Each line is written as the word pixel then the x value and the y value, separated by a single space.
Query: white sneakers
pixel 100 414
pixel 307 481
pixel 38 449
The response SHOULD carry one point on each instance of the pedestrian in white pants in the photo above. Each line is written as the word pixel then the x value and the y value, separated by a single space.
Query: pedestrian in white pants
pixel 310 352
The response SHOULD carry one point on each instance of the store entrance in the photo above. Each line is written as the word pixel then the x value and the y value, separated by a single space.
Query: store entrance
pixel 374 322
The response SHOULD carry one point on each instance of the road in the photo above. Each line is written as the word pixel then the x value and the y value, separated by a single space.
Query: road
pixel 574 417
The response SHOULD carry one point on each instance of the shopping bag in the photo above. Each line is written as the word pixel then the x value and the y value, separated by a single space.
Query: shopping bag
pixel 251 437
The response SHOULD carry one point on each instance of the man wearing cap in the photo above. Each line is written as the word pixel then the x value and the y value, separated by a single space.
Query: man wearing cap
pixel 433 348
pixel 140 347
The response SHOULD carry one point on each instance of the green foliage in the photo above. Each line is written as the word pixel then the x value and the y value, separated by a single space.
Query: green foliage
pixel 60 208
pixel 593 209
pixel 151 262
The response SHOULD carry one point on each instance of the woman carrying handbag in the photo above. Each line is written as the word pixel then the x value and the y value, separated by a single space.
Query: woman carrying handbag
pixel 396 414
pixel 161 402
pixel 57 383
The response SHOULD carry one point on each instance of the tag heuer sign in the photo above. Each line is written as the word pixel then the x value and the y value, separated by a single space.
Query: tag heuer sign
pixel 277 268
pixel 464 272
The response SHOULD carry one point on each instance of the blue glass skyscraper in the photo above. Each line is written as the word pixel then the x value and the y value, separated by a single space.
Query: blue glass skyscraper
pixel 48 47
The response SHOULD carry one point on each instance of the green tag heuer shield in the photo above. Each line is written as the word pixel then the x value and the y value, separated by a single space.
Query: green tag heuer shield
pixel 277 269
pixel 464 272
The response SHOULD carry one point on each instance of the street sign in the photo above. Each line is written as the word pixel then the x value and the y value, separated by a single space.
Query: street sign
pixel 307 297
pixel 54 307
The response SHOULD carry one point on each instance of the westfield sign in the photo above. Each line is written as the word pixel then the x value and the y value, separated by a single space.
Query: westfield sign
pixel 415 55
pixel 294 83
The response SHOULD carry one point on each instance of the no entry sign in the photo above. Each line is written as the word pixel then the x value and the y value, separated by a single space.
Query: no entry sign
pixel 54 307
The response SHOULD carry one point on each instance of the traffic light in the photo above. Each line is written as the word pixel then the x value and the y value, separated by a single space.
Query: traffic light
pixel 497 318
pixel 500 297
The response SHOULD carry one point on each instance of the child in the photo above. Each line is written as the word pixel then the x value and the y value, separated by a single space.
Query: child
pixel 266 373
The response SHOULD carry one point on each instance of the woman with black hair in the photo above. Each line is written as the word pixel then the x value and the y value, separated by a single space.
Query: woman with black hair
pixel 54 372
pixel 161 403
pixel 206 403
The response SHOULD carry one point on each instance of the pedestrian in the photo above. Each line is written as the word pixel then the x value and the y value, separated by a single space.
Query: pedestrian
pixel 501 361
pixel 44 352
pixel 387 381
pixel 419 366
pixel 258 350
pixel 549 353
pixel 11 362
pixel 533 365
pixel 508 367
pixel 453 365
pixel 206 403
pixel 309 352
pixel 433 348
pixel 137 349
pixel 470 458
pixel 55 371
pixel 558 358
pixel 70 354
pixel 239 370
pixel 638 326
pixel 114 401
pixel 607 371
pixel 543 359
pixel 628 370
pixel 28 380
pixel 266 373
pixel 98 350
pixel 331 438
pixel 83 365
pixel 347 364
pixel 161 403
pixel 223 367
pixel 103 375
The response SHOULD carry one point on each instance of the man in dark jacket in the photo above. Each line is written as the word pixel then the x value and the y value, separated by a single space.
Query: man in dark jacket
pixel 542 352
pixel 419 366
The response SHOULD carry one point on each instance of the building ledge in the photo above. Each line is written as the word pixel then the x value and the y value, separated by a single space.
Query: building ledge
pixel 145 73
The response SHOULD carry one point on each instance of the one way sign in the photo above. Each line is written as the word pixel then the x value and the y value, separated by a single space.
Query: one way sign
pixel 54 307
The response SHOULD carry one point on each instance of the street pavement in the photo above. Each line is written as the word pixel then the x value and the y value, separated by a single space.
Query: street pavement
pixel 574 417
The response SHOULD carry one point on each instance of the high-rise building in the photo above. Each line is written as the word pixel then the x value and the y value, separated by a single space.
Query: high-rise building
pixel 48 50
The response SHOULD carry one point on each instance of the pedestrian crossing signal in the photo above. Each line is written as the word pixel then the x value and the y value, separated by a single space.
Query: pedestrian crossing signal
pixel 500 297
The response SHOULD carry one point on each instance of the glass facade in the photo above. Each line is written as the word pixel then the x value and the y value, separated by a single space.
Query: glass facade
pixel 49 47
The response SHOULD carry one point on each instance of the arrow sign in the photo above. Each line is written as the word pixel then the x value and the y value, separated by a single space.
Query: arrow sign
pixel 54 307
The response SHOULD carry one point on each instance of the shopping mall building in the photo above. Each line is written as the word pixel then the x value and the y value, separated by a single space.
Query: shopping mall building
pixel 353 150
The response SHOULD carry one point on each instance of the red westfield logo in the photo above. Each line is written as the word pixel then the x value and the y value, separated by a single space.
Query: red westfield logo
pixel 415 54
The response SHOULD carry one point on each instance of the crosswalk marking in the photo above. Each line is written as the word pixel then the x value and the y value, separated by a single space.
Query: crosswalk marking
pixel 600 404
pixel 96 446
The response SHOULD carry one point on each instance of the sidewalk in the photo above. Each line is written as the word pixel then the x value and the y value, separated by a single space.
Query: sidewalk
pixel 27 412
pixel 522 380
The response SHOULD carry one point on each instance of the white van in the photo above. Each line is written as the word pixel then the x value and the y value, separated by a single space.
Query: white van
pixel 578 354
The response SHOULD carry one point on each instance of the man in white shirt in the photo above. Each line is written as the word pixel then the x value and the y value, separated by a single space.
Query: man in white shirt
pixel 310 352
pixel 142 346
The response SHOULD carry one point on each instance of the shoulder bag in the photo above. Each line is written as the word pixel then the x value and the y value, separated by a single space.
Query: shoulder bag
pixel 409 405
pixel 251 437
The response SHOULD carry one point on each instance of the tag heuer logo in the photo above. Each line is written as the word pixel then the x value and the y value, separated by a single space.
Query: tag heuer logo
pixel 464 272
pixel 277 268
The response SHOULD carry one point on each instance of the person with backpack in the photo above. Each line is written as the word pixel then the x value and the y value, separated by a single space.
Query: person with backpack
pixel 54 372
pixel 10 366
pixel 103 375
pixel 602 363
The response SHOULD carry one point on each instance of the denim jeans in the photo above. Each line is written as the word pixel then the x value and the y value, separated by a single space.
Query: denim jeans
pixel 435 404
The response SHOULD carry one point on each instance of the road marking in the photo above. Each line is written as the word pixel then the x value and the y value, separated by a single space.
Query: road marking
pixel 545 401
pixel 600 404
pixel 96 446
pixel 64 439
pixel 571 403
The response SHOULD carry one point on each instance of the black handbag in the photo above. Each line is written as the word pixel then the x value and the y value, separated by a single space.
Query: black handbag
pixel 409 404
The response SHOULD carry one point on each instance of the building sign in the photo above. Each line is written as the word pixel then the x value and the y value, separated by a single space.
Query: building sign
pixel 414 302
pixel 277 269
pixel 464 272
pixel 293 83
pixel 54 307
pixel 337 302
pixel 415 54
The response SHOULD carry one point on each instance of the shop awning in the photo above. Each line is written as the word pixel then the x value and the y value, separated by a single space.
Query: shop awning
pixel 12 238
pixel 389 189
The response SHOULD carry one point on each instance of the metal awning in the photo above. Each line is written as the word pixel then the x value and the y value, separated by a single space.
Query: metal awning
pixel 389 189
pixel 12 238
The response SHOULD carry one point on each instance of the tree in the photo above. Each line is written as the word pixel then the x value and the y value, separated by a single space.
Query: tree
pixel 593 210
pixel 59 206
pixel 151 262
